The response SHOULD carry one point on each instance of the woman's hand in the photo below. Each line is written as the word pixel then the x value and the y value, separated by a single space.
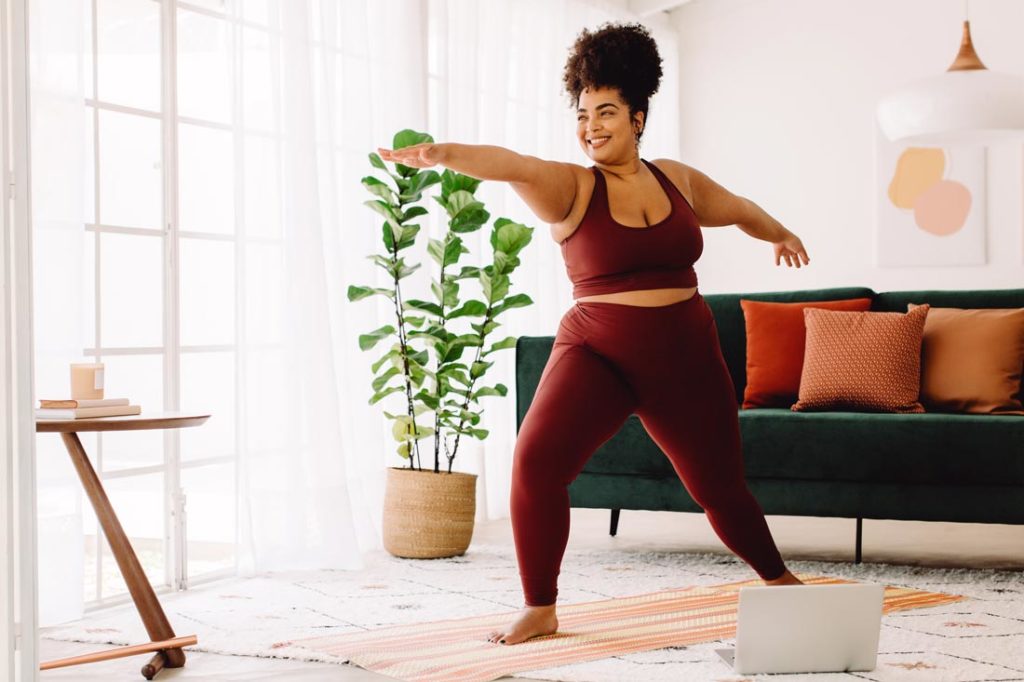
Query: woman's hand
pixel 791 249
pixel 423 155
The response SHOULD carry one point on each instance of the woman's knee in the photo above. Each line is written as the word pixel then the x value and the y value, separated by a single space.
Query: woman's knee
pixel 531 462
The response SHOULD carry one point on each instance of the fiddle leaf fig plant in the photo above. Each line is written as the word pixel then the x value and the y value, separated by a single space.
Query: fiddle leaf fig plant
pixel 449 386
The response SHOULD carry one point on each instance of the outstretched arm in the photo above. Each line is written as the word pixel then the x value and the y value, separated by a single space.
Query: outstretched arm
pixel 716 206
pixel 547 187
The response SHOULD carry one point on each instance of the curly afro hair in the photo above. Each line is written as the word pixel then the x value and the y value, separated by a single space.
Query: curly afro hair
pixel 622 56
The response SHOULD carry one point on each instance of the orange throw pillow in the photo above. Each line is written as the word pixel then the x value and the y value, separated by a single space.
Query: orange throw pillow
pixel 862 361
pixel 972 359
pixel 775 348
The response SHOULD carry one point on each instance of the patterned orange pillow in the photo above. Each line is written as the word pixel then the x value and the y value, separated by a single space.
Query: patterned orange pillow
pixel 862 361
pixel 971 360
pixel 775 347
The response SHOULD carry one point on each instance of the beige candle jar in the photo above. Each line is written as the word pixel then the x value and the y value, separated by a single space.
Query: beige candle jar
pixel 87 381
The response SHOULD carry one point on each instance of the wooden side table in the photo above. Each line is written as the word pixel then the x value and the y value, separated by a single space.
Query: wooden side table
pixel 169 653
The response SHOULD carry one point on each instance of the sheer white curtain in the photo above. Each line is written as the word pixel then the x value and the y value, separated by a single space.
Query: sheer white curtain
pixel 346 77
pixel 312 464
pixel 462 70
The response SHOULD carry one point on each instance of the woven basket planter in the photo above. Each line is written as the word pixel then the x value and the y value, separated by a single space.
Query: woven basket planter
pixel 428 515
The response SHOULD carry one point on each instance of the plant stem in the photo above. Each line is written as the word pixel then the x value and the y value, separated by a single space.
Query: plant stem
pixel 472 380
pixel 414 462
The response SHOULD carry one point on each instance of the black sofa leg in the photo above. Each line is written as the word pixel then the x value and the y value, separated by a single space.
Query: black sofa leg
pixel 860 528
pixel 615 522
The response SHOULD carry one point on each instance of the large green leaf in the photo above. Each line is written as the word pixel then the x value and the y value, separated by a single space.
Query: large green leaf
pixel 479 368
pixel 408 237
pixel 389 216
pixel 393 353
pixel 434 249
pixel 453 250
pixel 452 181
pixel 416 304
pixel 497 389
pixel 507 342
pixel 357 292
pixel 468 271
pixel 465 212
pixel 486 328
pixel 451 293
pixel 427 398
pixel 471 307
pixel 379 189
pixel 406 270
pixel 495 286
pixel 368 341
pixel 514 301
pixel 378 382
pixel 413 212
pixel 470 219
pixel 419 182
pixel 385 392
pixel 408 137
pixel 510 237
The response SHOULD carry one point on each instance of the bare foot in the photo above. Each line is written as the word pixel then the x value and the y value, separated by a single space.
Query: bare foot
pixel 786 578
pixel 532 621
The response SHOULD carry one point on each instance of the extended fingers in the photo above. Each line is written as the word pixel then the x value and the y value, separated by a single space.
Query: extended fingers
pixel 409 156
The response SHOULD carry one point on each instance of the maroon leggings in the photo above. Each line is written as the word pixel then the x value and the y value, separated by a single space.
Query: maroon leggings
pixel 610 360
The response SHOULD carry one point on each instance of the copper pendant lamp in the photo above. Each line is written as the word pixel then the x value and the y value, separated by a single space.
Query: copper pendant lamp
pixel 968 104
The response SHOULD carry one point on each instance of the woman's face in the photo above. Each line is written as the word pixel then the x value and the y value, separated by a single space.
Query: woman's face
pixel 603 126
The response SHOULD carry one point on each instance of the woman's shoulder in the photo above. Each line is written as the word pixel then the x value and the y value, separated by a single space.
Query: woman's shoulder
pixel 679 173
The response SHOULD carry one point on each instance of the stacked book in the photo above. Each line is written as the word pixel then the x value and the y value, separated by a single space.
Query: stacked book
pixel 85 409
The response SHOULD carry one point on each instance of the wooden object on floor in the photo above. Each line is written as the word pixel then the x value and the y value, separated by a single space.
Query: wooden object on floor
pixel 121 652
pixel 153 617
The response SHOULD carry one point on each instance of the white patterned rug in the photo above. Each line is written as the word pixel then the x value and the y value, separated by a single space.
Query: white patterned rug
pixel 981 638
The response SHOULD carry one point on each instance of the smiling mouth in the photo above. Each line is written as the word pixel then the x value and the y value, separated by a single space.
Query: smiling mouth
pixel 597 142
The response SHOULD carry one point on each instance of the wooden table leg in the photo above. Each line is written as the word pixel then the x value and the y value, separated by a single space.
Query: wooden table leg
pixel 155 665
pixel 138 584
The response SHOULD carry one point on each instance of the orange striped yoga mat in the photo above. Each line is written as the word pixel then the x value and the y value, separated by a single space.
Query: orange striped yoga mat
pixel 458 650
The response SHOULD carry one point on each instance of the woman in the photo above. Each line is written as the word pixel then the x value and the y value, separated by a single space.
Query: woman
pixel 640 338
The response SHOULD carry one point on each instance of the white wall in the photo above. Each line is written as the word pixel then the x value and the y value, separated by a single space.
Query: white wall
pixel 777 101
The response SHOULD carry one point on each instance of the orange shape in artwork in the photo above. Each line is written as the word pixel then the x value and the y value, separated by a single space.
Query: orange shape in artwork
pixel 917 169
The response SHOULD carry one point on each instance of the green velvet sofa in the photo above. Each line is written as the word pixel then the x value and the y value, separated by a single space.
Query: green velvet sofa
pixel 920 467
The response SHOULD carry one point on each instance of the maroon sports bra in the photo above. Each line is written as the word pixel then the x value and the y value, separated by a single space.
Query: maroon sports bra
pixel 605 257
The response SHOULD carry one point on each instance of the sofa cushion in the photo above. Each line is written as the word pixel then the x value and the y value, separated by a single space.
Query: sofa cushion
pixel 775 347
pixel 862 361
pixel 896 301
pixel 883 447
pixel 732 326
pixel 971 360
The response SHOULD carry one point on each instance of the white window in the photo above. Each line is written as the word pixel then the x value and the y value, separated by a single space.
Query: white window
pixel 171 120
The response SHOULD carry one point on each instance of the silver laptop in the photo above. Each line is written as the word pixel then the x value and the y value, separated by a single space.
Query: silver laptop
pixel 806 628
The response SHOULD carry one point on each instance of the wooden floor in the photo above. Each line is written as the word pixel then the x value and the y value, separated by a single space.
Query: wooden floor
pixel 808 538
